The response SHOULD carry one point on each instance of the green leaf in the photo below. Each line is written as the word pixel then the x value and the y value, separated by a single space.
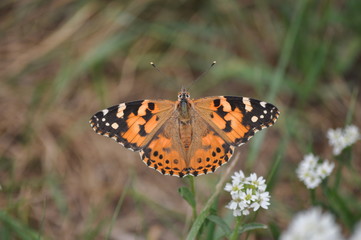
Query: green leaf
pixel 221 223
pixel 252 226
pixel 198 224
pixel 20 230
pixel 187 195
pixel 275 230
pixel 340 206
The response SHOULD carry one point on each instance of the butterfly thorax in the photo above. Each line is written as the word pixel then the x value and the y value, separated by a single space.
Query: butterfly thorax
pixel 185 127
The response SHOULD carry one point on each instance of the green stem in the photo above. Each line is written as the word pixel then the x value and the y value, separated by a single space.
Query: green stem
pixel 192 188
pixel 234 235
pixel 253 220
pixel 198 223
pixel 338 176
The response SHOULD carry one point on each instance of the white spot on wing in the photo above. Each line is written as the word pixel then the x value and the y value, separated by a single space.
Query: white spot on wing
pixel 115 125
pixel 121 109
pixel 247 104
pixel 122 106
pixel 254 119
pixel 263 104
pixel 107 124
pixel 105 112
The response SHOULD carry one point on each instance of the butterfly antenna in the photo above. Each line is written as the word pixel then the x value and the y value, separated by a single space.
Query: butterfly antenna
pixel 153 65
pixel 202 75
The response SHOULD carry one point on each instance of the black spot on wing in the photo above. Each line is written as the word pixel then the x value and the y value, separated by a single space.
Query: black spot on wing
pixel 142 131
pixel 221 112
pixel 234 102
pixel 216 102
pixel 228 127
pixel 148 115
pixel 132 107
pixel 146 152
pixel 151 106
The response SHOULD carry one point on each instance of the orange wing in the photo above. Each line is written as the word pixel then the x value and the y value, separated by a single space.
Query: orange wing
pixel 236 119
pixel 132 124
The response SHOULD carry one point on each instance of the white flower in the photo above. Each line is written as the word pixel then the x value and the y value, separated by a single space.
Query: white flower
pixel 313 225
pixel 261 200
pixel 257 182
pixel 234 203
pixel 312 181
pixel 245 212
pixel 248 193
pixel 237 213
pixel 357 232
pixel 311 173
pixel 239 177
pixel 339 138
pixel 247 196
pixel 233 188
pixel 324 170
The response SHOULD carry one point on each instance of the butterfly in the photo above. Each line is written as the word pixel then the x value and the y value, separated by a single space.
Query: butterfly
pixel 187 136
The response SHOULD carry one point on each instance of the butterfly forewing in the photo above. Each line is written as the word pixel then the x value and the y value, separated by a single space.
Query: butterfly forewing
pixel 236 119
pixel 132 124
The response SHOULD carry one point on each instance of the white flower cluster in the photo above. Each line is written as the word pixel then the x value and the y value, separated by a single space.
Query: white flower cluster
pixel 339 138
pixel 311 172
pixel 247 193
pixel 313 225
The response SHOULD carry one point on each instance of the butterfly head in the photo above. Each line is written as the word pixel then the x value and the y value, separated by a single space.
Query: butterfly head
pixel 183 95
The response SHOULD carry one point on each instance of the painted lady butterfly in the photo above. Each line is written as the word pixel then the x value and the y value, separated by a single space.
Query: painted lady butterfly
pixel 185 137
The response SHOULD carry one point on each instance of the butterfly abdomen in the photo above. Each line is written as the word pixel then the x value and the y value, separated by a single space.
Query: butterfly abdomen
pixel 185 133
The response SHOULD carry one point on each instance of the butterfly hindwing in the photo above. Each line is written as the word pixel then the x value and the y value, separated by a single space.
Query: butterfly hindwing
pixel 164 152
pixel 132 124
pixel 211 152
pixel 236 119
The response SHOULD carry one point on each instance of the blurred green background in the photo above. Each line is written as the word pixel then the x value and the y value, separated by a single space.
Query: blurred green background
pixel 61 61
